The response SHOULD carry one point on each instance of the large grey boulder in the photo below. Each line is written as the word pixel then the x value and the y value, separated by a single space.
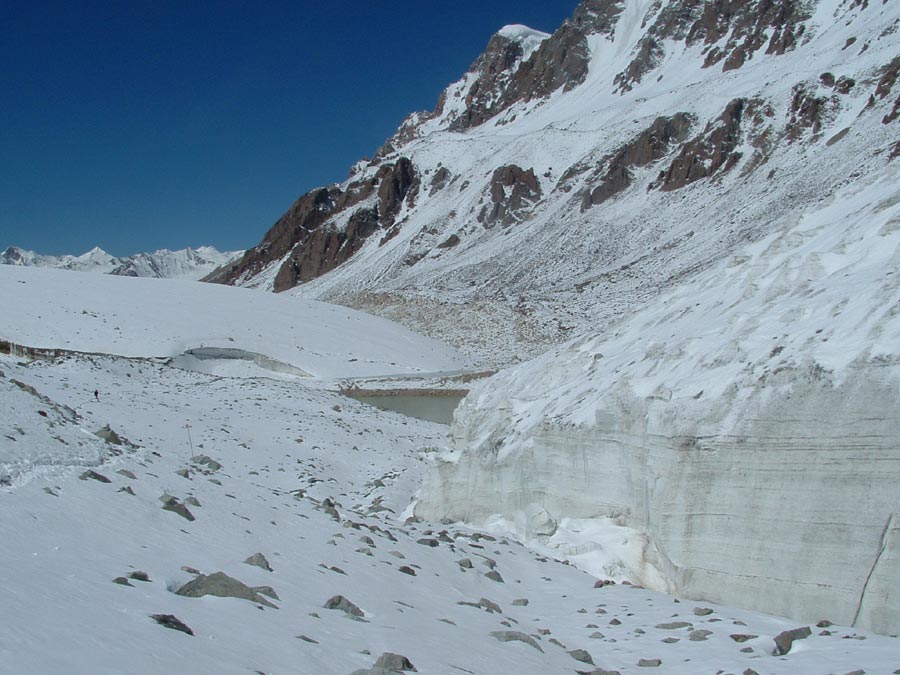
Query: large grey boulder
pixel 223 586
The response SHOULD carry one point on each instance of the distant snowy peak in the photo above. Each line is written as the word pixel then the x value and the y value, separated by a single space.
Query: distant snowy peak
pixel 186 263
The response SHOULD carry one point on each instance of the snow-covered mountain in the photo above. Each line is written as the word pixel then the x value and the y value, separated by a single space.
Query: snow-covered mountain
pixel 704 194
pixel 567 178
pixel 187 263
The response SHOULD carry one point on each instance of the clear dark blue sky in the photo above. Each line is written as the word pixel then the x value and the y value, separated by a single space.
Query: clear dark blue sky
pixel 141 124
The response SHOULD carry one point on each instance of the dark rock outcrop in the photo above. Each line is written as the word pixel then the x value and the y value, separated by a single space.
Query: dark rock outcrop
pixel 309 239
pixel 649 146
pixel 713 151
pixel 513 193
pixel 171 621
pixel 776 25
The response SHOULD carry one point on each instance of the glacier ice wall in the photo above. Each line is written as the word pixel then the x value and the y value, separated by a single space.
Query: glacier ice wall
pixel 747 422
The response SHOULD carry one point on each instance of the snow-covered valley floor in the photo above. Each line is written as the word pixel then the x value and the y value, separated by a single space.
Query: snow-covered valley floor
pixel 318 484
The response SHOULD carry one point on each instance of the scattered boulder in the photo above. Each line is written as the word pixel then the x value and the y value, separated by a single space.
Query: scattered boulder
pixel 702 611
pixel 406 569
pixel 93 475
pixel 601 583
pixel 785 640
pixel 426 541
pixel 171 621
pixel 139 575
pixel 184 473
pixel 515 636
pixel 394 663
pixel 172 504
pixel 343 604
pixel 259 560
pixel 122 581
pixel 465 563
pixel 520 602
pixel 699 635
pixel 221 585
pixel 210 464
pixel 581 655
pixel 494 575
pixel 127 474
pixel 741 637
pixel 673 625
pixel 650 663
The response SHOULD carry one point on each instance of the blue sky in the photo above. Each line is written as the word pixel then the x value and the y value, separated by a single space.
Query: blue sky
pixel 142 124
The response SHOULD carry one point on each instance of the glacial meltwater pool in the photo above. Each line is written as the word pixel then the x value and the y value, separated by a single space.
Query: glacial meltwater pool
pixel 432 405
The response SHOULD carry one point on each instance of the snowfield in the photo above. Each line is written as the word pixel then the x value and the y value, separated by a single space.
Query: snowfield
pixel 56 309
pixel 98 539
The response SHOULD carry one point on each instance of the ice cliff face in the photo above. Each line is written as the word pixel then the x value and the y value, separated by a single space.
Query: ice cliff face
pixel 746 423
pixel 566 178
pixel 186 263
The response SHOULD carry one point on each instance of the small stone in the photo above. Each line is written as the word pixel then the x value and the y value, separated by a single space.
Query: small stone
pixel 465 563
pixel 555 642
pixel 747 650
pixel 184 473
pixel 581 655
pixel 93 475
pixel 673 625
pixel 740 637
pixel 190 570
pixel 597 635
pixel 857 672
pixel 50 491
pixel 193 501
pixel 601 583
pixel 494 575
pixel 785 640
pixel 171 621
pixel 122 581
pixel 520 602
pixel 127 474
pixel 670 640
pixel 425 541
pixel 259 560
pixel 615 622
pixel 306 638
pixel 650 663
pixel 139 575
pixel 824 623
pixel 750 671
pixel 699 635
pixel 702 611
pixel 127 490
pixel 407 570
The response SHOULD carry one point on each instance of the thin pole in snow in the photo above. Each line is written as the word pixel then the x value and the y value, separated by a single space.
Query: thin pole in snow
pixel 187 425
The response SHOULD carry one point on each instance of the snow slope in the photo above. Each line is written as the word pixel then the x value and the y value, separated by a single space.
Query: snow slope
pixel 186 263
pixel 743 426
pixel 318 484
pixel 55 309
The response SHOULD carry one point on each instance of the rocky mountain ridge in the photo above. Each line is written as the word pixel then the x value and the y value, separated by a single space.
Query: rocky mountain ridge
pixel 566 178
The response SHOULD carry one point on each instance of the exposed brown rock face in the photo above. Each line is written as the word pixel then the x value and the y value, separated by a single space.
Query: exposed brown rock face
pixel 560 61
pixel 513 192
pixel 440 180
pixel 889 75
pixel 776 25
pixel 494 69
pixel 807 112
pixel 304 232
pixel 710 152
pixel 649 146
